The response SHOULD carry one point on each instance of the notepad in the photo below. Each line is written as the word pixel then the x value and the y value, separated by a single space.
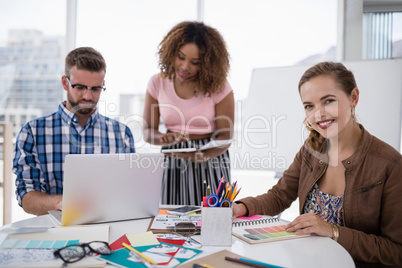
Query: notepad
pixel 263 230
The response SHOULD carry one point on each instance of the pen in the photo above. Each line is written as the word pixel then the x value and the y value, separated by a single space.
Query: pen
pixel 139 253
pixel 196 265
pixel 252 263
pixel 260 263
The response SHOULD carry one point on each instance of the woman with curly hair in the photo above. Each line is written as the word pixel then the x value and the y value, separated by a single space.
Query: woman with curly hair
pixel 196 104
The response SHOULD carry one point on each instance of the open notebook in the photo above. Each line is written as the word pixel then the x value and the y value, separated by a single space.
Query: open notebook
pixel 110 187
pixel 262 229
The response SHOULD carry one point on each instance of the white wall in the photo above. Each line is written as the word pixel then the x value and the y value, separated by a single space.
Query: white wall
pixel 274 113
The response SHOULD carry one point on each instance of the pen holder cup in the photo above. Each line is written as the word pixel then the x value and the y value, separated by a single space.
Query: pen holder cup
pixel 216 226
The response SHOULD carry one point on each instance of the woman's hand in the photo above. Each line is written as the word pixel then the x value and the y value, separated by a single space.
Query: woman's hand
pixel 196 157
pixel 239 210
pixel 310 224
pixel 173 138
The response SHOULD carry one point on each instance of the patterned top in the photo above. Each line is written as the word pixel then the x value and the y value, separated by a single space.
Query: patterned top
pixel 43 144
pixel 327 206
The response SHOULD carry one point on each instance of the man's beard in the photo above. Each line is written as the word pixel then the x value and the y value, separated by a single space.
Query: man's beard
pixel 77 108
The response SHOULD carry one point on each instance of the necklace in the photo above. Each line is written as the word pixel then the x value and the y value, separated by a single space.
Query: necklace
pixel 185 91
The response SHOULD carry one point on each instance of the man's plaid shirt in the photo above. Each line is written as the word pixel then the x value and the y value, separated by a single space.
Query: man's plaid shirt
pixel 43 144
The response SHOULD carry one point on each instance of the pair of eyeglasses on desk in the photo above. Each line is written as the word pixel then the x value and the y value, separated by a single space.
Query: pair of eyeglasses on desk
pixel 74 253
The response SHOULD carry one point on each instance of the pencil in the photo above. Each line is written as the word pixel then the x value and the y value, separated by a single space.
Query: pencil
pixel 139 253
pixel 252 263
pixel 237 192
pixel 220 187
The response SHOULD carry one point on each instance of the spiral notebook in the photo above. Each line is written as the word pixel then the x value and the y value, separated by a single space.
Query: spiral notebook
pixel 262 229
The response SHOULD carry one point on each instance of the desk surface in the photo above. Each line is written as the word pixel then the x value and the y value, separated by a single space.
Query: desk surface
pixel 311 251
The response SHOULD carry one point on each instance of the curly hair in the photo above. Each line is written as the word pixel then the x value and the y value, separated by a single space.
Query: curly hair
pixel 85 58
pixel 342 77
pixel 214 57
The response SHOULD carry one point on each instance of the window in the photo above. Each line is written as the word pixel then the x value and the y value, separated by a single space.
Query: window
pixel 127 34
pixel 28 35
pixel 262 33
pixel 382 29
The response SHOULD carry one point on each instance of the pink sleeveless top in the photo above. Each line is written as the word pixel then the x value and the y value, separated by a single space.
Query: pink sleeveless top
pixel 187 116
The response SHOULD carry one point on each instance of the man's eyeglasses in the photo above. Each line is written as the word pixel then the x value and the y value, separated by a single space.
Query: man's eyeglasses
pixel 83 88
pixel 74 253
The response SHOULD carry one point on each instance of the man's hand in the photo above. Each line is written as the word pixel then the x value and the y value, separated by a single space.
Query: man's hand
pixel 39 203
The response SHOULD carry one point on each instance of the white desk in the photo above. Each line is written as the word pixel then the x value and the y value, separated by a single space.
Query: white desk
pixel 312 251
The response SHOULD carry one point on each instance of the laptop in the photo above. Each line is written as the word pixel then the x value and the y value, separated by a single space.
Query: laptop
pixel 110 187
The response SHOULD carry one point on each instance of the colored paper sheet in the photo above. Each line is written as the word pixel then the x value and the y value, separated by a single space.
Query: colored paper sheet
pixel 174 239
pixel 163 212
pixel 250 218
pixel 142 239
pixel 118 244
pixel 177 242
pixel 123 257
pixel 31 244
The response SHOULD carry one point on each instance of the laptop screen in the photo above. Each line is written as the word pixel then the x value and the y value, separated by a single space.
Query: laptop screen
pixel 111 187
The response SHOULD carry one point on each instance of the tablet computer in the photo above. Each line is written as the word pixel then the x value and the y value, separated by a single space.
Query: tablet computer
pixel 179 150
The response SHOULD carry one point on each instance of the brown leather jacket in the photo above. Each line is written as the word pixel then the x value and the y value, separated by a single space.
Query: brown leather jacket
pixel 372 205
